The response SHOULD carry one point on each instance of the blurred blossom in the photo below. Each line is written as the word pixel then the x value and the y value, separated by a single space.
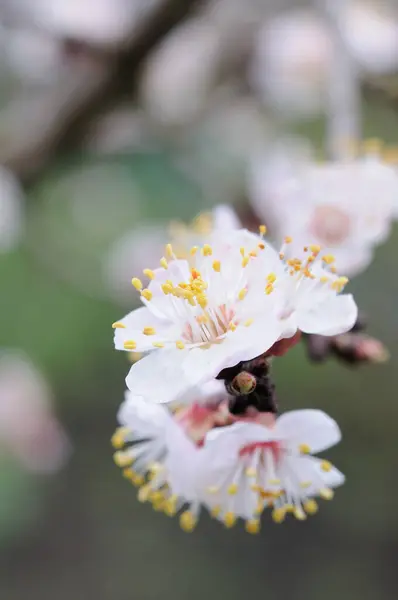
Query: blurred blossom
pixel 290 63
pixel 11 210
pixel 179 75
pixel 28 428
pixel 371 30
pixel 97 22
pixel 31 55
pixel 345 207
pixel 144 246
pixel 121 129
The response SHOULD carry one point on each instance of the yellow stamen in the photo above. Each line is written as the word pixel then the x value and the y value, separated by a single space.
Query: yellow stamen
pixel 163 263
pixel 326 466
pixel 304 448
pixel 288 239
pixel 130 345
pixel 233 489
pixel 217 266
pixel 144 493
pixel 315 249
pixel 248 322
pixel 229 519
pixel 137 283
pixel 269 288
pixel 261 246
pixel 149 273
pixel 202 300
pixel 310 507
pixel 278 515
pixel 324 279
pixel 167 288
pixel 188 521
pixel 262 229
pixel 215 511
pixel 119 437
pixel 245 261
pixel 299 514
pixel 170 507
pixel 207 250
pixel 242 293
pixel 118 325
pixel 122 459
pixel 274 481
pixel 251 472
pixel 305 484
pixel 147 294
pixel 158 345
pixel 326 493
pixel 232 326
pixel 193 250
pixel 169 250
pixel 271 278
pixel 149 331
pixel 180 345
pixel 328 259
pixel 253 526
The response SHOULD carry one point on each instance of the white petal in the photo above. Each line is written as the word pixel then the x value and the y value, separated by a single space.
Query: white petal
pixel 308 426
pixel 308 469
pixel 224 217
pixel 336 315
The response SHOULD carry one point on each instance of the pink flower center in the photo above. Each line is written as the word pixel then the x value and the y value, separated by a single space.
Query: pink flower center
pixel 330 225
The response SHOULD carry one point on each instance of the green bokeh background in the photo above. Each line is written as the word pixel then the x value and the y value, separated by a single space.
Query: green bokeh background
pixel 82 534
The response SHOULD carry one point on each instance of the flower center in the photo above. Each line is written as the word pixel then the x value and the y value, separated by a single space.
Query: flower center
pixel 330 225
pixel 274 446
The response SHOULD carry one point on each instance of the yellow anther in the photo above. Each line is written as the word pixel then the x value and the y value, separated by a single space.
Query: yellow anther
pixel 213 489
pixel 328 259
pixel 229 519
pixel 271 278
pixel 304 449
pixel 188 521
pixel 202 300
pixel 123 459
pixel 315 249
pixel 245 261
pixel 281 255
pixel 232 326
pixel 326 493
pixel 251 472
pixel 274 481
pixel 260 507
pixel 217 266
pixel 207 250
pixel 128 474
pixel 158 345
pixel 180 345
pixel 299 514
pixel 310 507
pixel 242 293
pixel 169 250
pixel 278 515
pixel 193 250
pixel 289 508
pixel 118 325
pixel 119 437
pixel 305 484
pixel 149 331
pixel 144 493
pixel 261 246
pixel 157 496
pixel 339 283
pixel 324 279
pixel 326 466
pixel 253 526
pixel 155 467
pixel 288 239
pixel 147 294
pixel 170 507
pixel 215 511
pixel 232 489
pixel 167 288
pixel 204 318
pixel 269 288
pixel 262 229
pixel 253 254
pixel 242 250
pixel 333 269
pixel 163 263
pixel 248 322
pixel 137 283
pixel 137 479
pixel 130 345
pixel 149 273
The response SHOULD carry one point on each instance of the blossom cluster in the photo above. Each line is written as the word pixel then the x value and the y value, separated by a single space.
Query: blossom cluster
pixel 199 427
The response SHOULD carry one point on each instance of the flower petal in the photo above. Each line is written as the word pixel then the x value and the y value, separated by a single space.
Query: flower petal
pixel 309 426
pixel 336 315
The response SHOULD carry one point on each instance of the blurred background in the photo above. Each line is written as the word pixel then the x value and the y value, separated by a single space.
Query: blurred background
pixel 117 117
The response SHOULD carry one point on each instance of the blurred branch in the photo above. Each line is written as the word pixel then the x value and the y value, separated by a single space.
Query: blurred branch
pixel 51 122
